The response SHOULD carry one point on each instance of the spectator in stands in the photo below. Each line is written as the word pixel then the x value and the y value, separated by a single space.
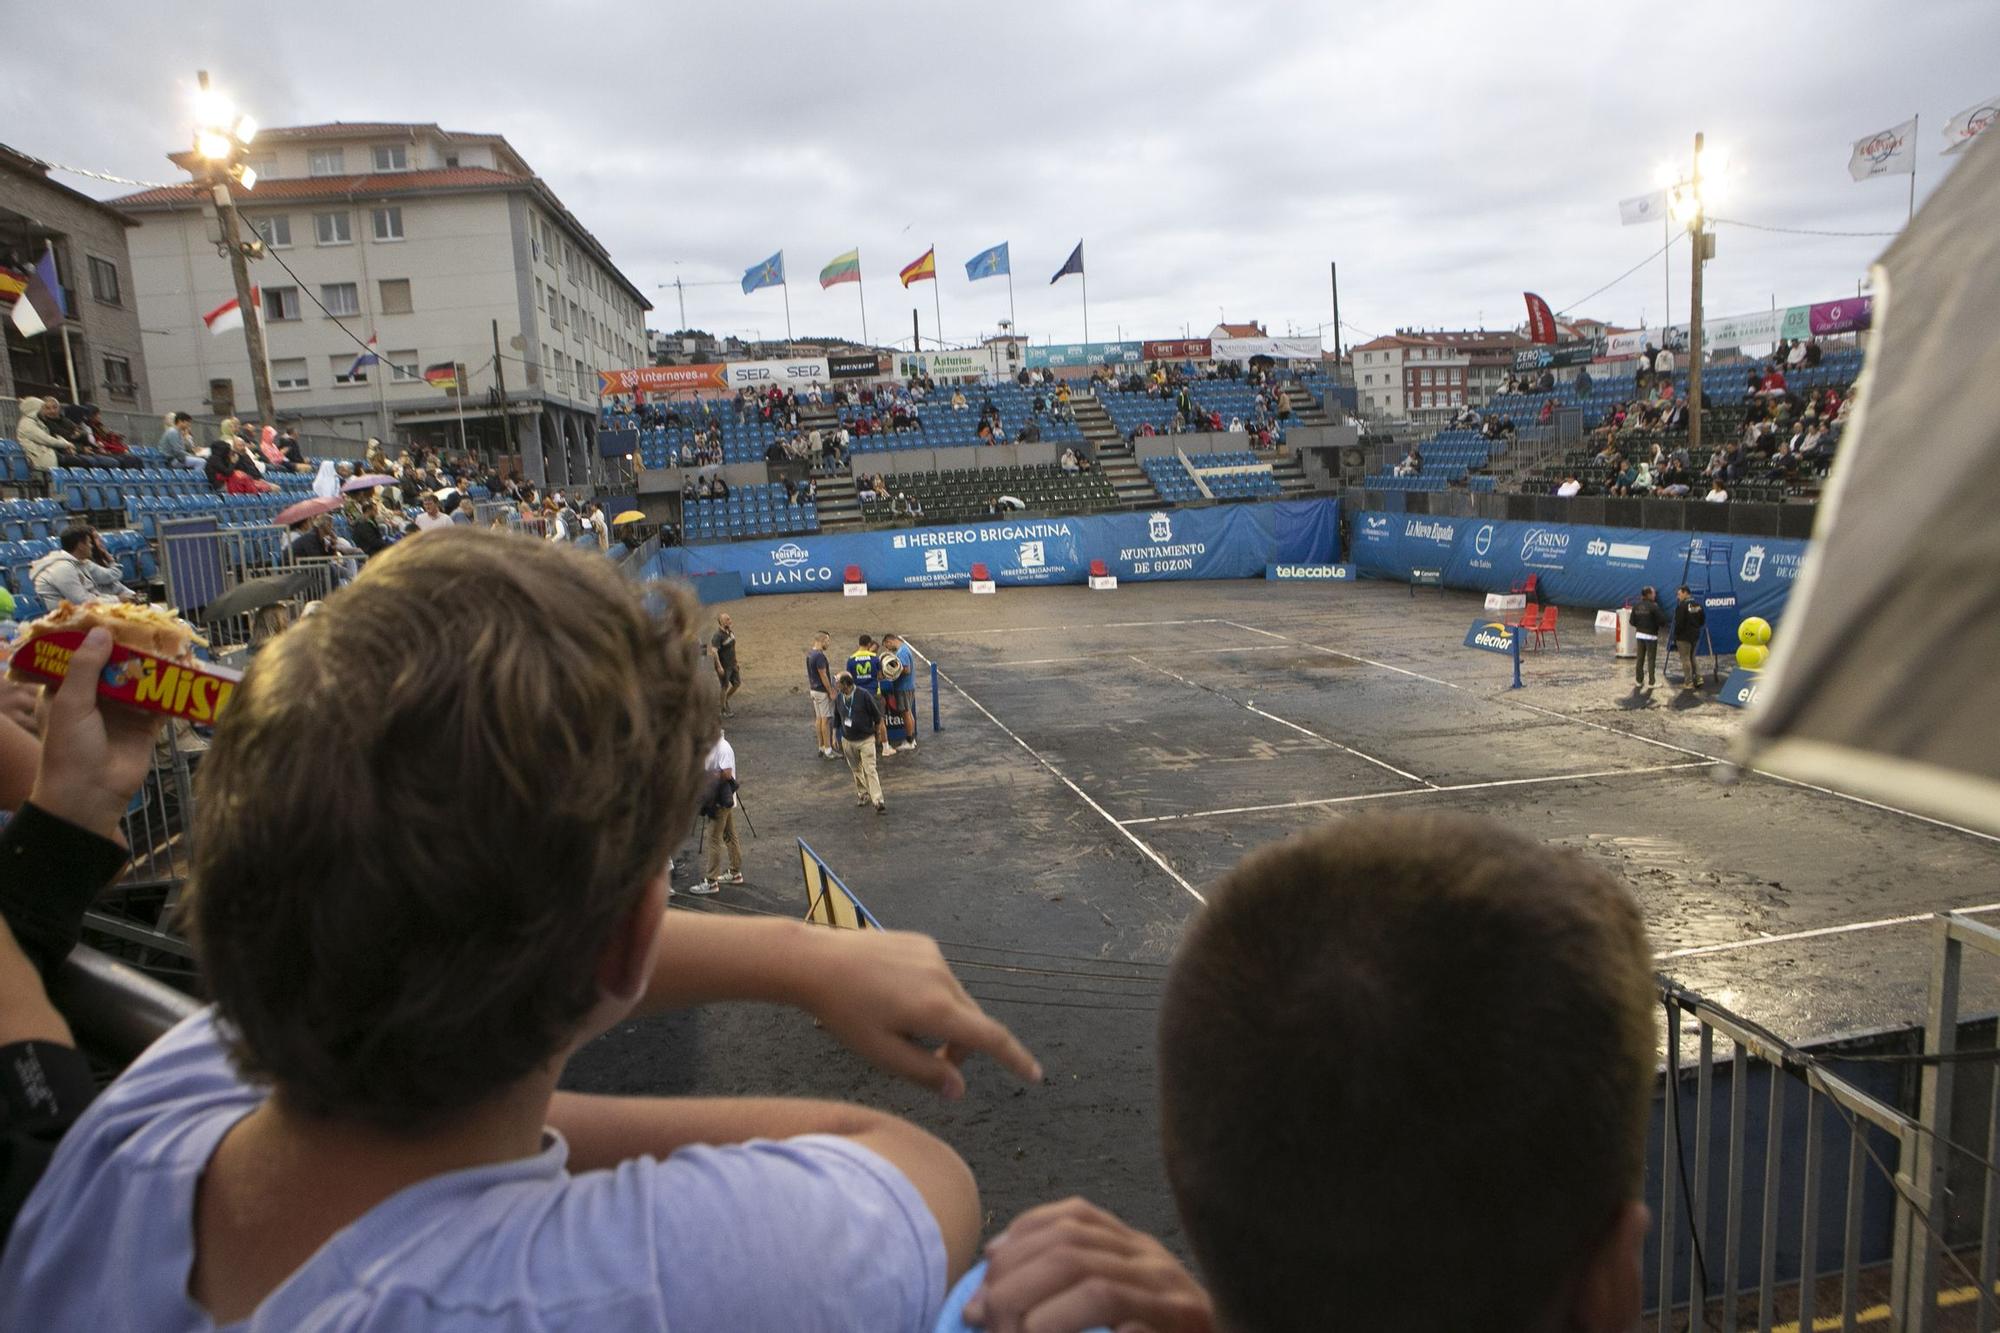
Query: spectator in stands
pixel 1236 426
pixel 177 447
pixel 79 570
pixel 1569 487
pixel 364 524
pixel 1583 383
pixel 107 440
pixel 1773 383
pixel 718 810
pixel 294 452
pixel 1796 358
pixel 431 516
pixel 1717 493
pixel 260 1142
pixel 1345 932
pixel 1068 461
pixel 861 729
pixel 1813 353
pixel 45 449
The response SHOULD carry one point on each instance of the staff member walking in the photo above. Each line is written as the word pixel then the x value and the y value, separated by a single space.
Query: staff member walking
pixel 720 812
pixel 724 647
pixel 1648 619
pixel 1689 618
pixel 819 687
pixel 861 727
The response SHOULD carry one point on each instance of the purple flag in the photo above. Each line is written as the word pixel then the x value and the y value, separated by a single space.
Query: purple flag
pixel 1841 316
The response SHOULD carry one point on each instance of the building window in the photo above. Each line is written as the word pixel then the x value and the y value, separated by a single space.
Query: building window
pixel 265 167
pixel 388 224
pixel 451 159
pixel 344 371
pixel 392 157
pixel 289 372
pixel 104 281
pixel 403 367
pixel 118 376
pixel 395 296
pixel 340 298
pixel 328 162
pixel 281 303
pixel 333 229
pixel 276 231
pixel 541 296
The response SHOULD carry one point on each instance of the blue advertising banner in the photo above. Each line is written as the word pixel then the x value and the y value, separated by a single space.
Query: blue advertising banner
pixel 1226 542
pixel 1579 565
pixel 1740 688
pixel 1277 573
pixel 1086 354
pixel 1492 636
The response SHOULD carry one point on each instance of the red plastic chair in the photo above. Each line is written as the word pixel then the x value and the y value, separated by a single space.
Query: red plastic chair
pixel 854 574
pixel 1547 628
pixel 1098 569
pixel 980 574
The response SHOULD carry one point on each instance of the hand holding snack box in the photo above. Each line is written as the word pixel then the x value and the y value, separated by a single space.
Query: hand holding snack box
pixel 151 667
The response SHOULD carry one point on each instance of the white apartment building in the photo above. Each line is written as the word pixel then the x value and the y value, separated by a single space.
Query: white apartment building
pixel 437 245
pixel 1401 376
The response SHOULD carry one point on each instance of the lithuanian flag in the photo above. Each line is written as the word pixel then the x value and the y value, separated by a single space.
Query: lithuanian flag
pixel 841 268
pixel 925 267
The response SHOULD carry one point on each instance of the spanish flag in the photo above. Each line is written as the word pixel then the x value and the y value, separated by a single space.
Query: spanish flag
pixel 924 267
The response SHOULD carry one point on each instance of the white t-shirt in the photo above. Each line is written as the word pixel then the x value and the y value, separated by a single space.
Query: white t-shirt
pixel 425 522
pixel 722 757
pixel 1569 488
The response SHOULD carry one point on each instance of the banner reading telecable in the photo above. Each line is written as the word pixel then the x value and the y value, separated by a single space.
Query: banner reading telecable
pixel 660 379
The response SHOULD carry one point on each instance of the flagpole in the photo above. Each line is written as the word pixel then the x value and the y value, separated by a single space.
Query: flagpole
pixel 69 356
pixel 1666 272
pixel 1014 325
pixel 1913 172
pixel 937 304
pixel 381 397
pixel 787 285
pixel 459 396
pixel 1084 273
pixel 862 299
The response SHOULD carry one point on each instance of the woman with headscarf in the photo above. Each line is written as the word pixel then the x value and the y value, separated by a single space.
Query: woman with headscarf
pixel 326 484
pixel 267 445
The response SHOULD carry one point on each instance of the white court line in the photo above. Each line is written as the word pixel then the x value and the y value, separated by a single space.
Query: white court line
pixel 1051 629
pixel 1061 777
pixel 1303 731
pixel 1094 657
pixel 1429 791
pixel 1705 950
pixel 1629 735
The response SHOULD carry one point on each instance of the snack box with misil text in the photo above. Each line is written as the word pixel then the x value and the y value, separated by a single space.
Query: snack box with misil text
pixel 191 691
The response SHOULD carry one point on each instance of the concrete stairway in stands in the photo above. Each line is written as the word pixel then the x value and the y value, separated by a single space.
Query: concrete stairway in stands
pixel 1115 456
pixel 1291 475
pixel 839 511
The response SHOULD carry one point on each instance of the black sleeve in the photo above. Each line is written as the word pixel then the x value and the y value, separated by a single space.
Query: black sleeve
pixel 43 1089
pixel 50 870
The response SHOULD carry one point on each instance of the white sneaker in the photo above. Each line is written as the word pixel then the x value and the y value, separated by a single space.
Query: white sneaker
pixel 705 886
pixel 907 746
pixel 887 750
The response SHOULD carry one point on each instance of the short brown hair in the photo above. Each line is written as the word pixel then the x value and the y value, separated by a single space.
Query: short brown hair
pixel 1405 1069
pixel 426 811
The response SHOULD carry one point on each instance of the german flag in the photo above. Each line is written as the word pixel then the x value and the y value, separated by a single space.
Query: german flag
pixel 443 375
pixel 922 268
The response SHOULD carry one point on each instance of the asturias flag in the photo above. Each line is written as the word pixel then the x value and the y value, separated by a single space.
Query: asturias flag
pixel 841 268
pixel 770 273
pixel 41 305
pixel 988 263
pixel 922 267
pixel 1541 320
pixel 1074 264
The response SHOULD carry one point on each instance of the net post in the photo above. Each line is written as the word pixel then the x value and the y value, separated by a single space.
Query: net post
pixel 1516 637
pixel 937 720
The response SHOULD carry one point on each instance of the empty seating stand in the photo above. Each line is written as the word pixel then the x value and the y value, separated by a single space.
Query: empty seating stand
pixel 958 494
pixel 747 511
pixel 1229 476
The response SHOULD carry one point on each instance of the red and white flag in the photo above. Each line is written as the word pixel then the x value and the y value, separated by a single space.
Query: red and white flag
pixel 1541 320
pixel 1970 123
pixel 227 316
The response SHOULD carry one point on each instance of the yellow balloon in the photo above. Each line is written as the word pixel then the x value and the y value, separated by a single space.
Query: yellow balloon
pixel 1751 656
pixel 1754 629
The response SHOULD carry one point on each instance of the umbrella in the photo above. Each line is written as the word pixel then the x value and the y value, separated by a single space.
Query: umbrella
pixel 256 594
pixel 306 509
pixel 372 481
pixel 1882 681
pixel 629 516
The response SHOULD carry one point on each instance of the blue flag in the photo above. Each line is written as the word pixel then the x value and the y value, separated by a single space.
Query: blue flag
pixel 770 273
pixel 1074 264
pixel 988 263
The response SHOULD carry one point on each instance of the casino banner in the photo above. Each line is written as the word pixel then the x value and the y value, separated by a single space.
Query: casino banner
pixel 1237 541
pixel 1579 564
pixel 661 379
pixel 1179 349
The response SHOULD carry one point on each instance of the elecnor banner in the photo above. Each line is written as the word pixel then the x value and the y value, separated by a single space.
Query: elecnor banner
pixel 1577 564
pixel 763 374
pixel 856 365
pixel 661 379
pixel 1237 541
pixel 1181 349
pixel 1085 354
pixel 944 365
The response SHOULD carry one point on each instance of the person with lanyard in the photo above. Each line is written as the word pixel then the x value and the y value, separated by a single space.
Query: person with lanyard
pixel 1648 619
pixel 860 729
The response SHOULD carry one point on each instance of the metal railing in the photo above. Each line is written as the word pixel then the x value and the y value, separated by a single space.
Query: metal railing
pixel 1834 1200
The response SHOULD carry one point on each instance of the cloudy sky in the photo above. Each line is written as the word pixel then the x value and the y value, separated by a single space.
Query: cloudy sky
pixel 1213 157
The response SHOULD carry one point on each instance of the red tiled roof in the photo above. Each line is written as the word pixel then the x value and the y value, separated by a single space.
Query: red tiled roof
pixel 1240 331
pixel 371 185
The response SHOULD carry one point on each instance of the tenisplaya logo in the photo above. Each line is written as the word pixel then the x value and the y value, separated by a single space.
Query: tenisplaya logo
pixel 1160 528
pixel 1482 540
pixel 790 554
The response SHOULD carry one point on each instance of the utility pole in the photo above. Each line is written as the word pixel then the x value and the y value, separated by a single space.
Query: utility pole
pixel 1698 225
pixel 916 332
pixel 500 381
pixel 220 167
pixel 1335 273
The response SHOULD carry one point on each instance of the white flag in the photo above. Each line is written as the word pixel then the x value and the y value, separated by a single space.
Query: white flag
pixel 1643 208
pixel 1887 152
pixel 227 316
pixel 1967 124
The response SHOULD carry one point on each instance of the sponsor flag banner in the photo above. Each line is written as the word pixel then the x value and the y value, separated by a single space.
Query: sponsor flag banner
pixel 1074 264
pixel 1890 152
pixel 661 379
pixel 443 375
pixel 1830 317
pixel 988 263
pixel 1541 320
pixel 1970 123
pixel 1180 349
pixel 1571 354
pixel 1650 207
pixel 770 273
pixel 841 268
pixel 921 269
